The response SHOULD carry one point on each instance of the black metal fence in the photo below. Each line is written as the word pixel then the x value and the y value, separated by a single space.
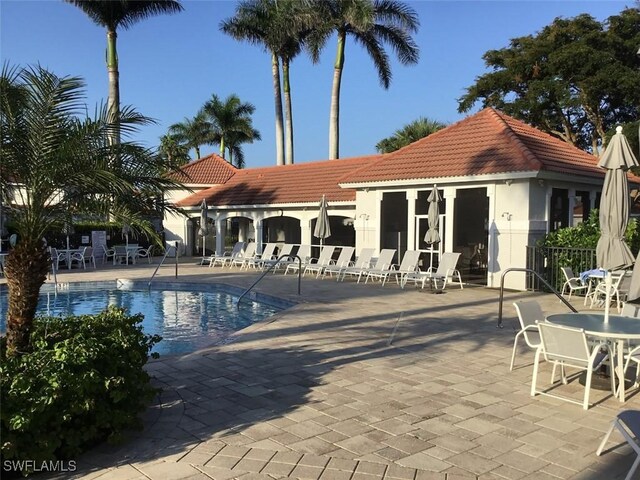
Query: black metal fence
pixel 547 261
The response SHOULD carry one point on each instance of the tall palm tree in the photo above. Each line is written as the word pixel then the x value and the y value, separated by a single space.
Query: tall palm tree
pixel 53 162
pixel 234 143
pixel 114 14
pixel 420 128
pixel 371 23
pixel 230 123
pixel 282 27
pixel 192 132
pixel 174 152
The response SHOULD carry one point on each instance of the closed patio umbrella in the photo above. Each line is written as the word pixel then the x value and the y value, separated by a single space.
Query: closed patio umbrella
pixel 125 231
pixel 612 252
pixel 67 229
pixel 433 235
pixel 323 229
pixel 203 231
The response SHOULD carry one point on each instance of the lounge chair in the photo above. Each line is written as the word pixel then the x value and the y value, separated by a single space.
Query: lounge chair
pixel 408 265
pixel 246 256
pixel 286 249
pixel 259 258
pixel 227 257
pixel 446 270
pixel 322 262
pixel 382 263
pixel 304 253
pixel 363 261
pixel 343 261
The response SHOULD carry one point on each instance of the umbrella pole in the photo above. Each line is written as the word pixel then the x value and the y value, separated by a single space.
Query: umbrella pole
pixel 67 242
pixel 431 257
pixel 607 297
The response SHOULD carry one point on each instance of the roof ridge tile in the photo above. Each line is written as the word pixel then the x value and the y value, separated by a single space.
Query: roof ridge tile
pixel 528 156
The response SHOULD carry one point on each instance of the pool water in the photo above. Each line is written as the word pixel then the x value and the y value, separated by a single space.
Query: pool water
pixel 187 319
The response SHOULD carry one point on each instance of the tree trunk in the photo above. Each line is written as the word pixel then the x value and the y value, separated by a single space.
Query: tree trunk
pixel 275 71
pixel 113 102
pixel 222 147
pixel 334 115
pixel 197 149
pixel 288 112
pixel 26 269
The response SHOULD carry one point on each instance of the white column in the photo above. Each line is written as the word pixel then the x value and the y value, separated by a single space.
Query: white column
pixel 221 231
pixel 492 242
pixel 572 204
pixel 242 230
pixel 547 208
pixel 257 225
pixel 412 195
pixel 377 222
pixel 305 232
pixel 450 198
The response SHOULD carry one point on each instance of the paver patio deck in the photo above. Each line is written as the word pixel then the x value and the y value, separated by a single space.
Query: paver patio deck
pixel 319 393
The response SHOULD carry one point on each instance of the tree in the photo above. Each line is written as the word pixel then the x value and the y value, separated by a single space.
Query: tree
pixel 192 133
pixel 53 162
pixel 420 128
pixel 283 28
pixel 172 151
pixel 113 14
pixel 230 123
pixel 372 24
pixel 575 79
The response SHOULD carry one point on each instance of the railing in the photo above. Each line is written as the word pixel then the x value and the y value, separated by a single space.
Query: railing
pixel 547 261
pixel 166 253
pixel 533 273
pixel 271 267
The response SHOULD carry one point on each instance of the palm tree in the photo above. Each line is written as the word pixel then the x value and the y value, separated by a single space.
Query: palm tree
pixel 172 151
pixel 112 14
pixel 234 141
pixel 53 162
pixel 371 23
pixel 192 133
pixel 420 128
pixel 230 123
pixel 282 27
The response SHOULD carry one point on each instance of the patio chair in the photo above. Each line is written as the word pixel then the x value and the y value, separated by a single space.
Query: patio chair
pixel 408 265
pixel 121 254
pixel 343 261
pixel 447 269
pixel 88 257
pixel 57 257
pixel 572 283
pixel 382 263
pixel 248 254
pixel 363 261
pixel 529 313
pixel 286 249
pixel 322 262
pixel 227 257
pixel 78 256
pixel 259 258
pixel 107 253
pixel 627 423
pixel 145 253
pixel 304 252
pixel 615 291
pixel 568 347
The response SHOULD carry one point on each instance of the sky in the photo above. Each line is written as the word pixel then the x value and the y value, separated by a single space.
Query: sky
pixel 170 65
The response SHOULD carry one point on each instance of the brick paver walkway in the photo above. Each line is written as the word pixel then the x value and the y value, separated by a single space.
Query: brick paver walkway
pixel 320 392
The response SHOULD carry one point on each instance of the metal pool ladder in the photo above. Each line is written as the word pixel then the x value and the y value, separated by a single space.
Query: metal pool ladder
pixel 271 267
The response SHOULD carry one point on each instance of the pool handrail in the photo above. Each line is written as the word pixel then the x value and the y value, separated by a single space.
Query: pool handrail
pixel 271 267
pixel 166 252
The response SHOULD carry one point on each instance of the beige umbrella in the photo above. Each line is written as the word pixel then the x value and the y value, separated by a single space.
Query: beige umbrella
pixel 433 235
pixel 203 231
pixel 323 229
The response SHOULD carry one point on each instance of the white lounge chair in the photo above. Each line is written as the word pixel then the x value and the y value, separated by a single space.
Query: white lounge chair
pixel 529 313
pixel 227 257
pixel 363 261
pixel 343 261
pixel 382 263
pixel 259 258
pixel 322 262
pixel 628 424
pixel 282 254
pixel 249 254
pixel 304 253
pixel 408 265
pixel 447 269
pixel 568 347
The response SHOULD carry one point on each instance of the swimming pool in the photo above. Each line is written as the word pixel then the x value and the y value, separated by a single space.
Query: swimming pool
pixel 187 316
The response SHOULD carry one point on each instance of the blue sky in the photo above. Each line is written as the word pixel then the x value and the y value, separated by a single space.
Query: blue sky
pixel 170 65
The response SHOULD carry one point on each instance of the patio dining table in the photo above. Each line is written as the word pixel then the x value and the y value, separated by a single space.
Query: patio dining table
pixel 617 330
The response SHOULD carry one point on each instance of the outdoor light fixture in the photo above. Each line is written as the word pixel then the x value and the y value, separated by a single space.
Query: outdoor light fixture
pixel 508 182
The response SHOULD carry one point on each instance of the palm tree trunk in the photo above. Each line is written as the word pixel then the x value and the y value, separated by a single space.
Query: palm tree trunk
pixel 334 114
pixel 288 112
pixel 113 102
pixel 222 147
pixel 26 270
pixel 275 71
pixel 197 149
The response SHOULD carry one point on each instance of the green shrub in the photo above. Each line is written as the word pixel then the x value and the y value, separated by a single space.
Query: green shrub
pixel 82 382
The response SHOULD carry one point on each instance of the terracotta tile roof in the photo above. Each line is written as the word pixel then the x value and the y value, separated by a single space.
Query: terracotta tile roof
pixel 298 183
pixel 488 142
pixel 209 170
